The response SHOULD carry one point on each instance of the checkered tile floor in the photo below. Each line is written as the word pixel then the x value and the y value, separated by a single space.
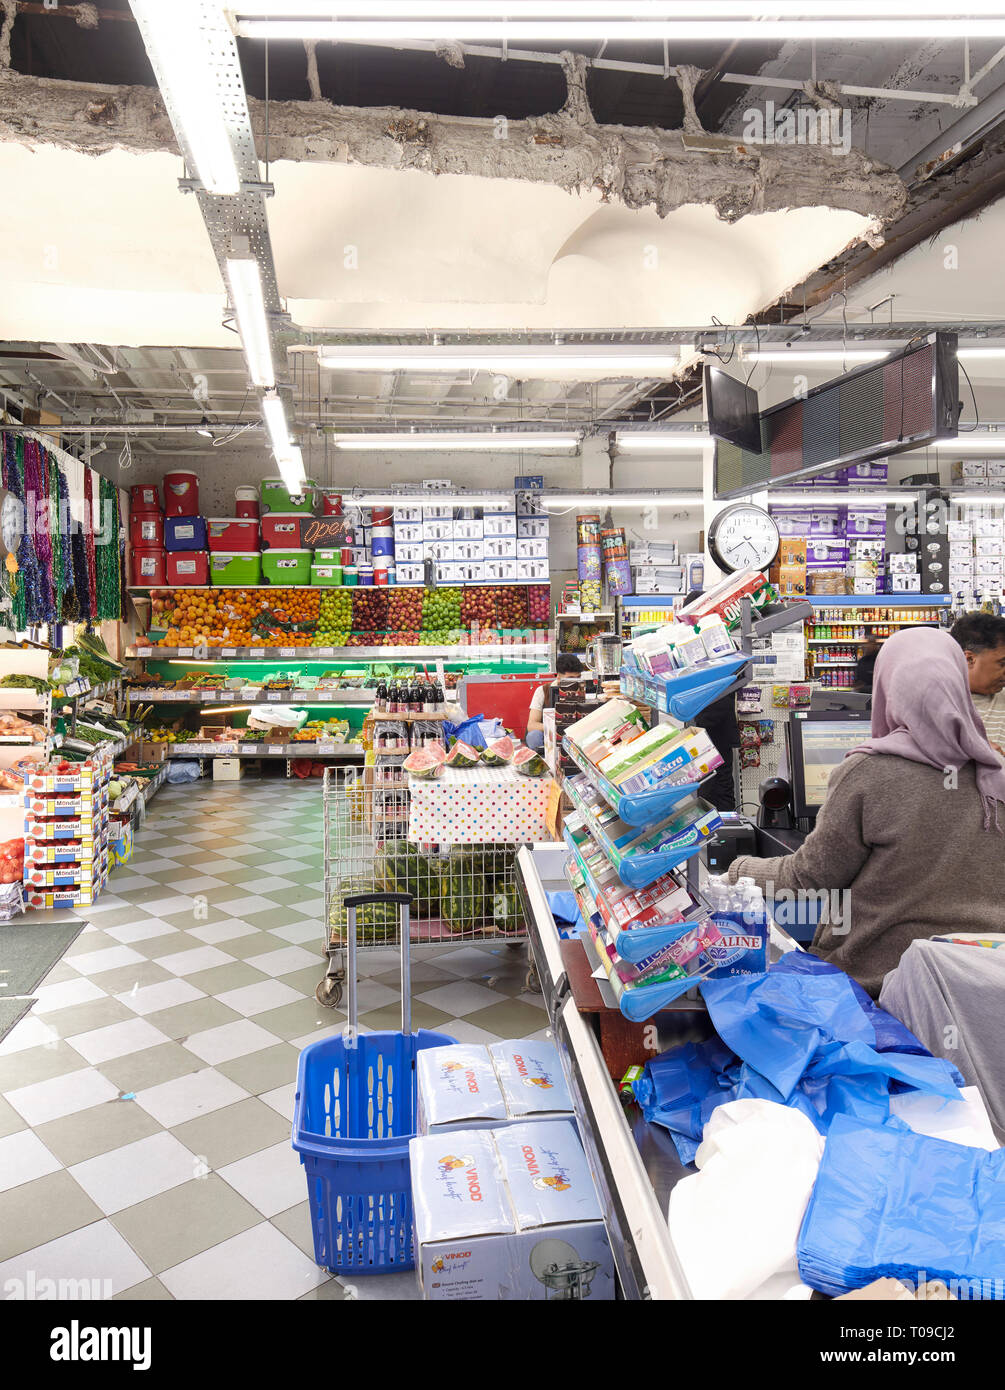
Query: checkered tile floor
pixel 145 1102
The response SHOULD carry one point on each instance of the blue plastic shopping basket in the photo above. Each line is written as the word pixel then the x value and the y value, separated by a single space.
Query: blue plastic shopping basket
pixel 354 1115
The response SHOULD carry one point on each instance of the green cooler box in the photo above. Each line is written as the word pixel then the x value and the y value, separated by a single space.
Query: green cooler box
pixel 275 497
pixel 286 566
pixel 235 570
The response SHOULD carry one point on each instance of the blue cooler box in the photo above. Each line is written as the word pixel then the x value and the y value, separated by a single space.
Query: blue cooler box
pixel 185 533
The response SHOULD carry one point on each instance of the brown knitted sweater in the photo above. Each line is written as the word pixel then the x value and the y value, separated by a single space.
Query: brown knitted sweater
pixel 912 853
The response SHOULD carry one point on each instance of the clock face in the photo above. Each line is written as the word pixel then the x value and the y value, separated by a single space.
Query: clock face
pixel 743 537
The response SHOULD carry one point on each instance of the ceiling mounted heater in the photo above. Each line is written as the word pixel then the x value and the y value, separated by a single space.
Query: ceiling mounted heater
pixel 908 400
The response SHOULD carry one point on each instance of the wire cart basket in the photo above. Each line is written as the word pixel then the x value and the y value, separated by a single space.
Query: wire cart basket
pixel 460 893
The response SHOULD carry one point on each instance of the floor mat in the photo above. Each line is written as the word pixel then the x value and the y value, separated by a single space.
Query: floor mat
pixel 11 1012
pixel 29 950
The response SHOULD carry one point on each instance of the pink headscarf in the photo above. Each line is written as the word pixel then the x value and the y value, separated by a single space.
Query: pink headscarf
pixel 922 710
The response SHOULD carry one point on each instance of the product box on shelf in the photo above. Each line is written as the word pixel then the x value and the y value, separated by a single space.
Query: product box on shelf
pixel 499 548
pixel 407 515
pixel 508 1214
pixel 410 554
pixel 906 584
pixel 532 527
pixel 534 571
pixel 531 549
pixel 469 530
pixel 410 574
pixel 437 513
pixel 502 505
pixel 528 482
pixel 438 550
pixel 437 531
pixel 984 547
pixel 410 533
pixel 498 571
pixel 469 552
pixel 959 530
pixel 528 502
pixel 470 1086
pixel 500 524
pixel 987 526
pixel 964 470
pixel 996 469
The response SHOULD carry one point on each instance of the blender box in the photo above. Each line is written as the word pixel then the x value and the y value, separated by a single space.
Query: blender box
pixel 469 1086
pixel 508 1214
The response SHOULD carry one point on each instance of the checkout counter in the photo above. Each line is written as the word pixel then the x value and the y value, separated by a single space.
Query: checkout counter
pixel 634 1164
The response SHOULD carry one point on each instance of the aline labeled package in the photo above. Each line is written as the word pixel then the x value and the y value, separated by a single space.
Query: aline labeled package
pixel 468 1086
pixel 508 1214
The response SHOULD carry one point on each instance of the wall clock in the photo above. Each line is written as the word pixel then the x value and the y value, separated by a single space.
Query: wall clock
pixel 743 537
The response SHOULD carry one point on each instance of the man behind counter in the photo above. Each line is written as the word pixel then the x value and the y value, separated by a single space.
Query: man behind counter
pixel 982 637
pixel 570 671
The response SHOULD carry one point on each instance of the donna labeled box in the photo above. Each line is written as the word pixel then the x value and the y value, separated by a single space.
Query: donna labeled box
pixel 508 1215
pixel 468 1086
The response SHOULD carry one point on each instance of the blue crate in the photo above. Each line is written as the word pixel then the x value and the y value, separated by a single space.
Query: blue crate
pixel 353 1117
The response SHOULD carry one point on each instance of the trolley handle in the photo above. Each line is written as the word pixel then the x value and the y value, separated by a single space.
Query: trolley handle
pixel 403 902
pixel 358 899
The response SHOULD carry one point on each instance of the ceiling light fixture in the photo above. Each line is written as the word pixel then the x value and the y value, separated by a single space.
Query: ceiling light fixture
pixel 629 442
pixel 291 470
pixel 244 277
pixel 585 21
pixel 203 428
pixel 622 499
pixel 180 56
pixel 491 441
pixel 274 413
pixel 880 498
pixel 824 356
pixel 629 362
pixel 976 499
pixel 976 442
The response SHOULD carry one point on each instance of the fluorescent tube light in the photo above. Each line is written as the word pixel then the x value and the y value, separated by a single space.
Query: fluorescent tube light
pixel 244 277
pixel 413 26
pixel 629 362
pixel 275 421
pixel 222 709
pixel 880 498
pixel 976 499
pixel 630 443
pixel 622 499
pixel 809 357
pixel 594 9
pixel 445 440
pixel 430 497
pixel 975 443
pixel 179 55
pixel 291 470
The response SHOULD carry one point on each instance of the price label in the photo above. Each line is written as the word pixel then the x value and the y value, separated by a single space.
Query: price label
pixel 254 652
pixel 273 694
pixel 185 651
pixel 250 692
pixel 144 651
pixel 287 651
pixel 326 747
pixel 228 651
pixel 326 651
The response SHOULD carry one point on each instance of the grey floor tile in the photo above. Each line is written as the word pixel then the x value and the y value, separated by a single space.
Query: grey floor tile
pixel 184 1221
pixel 296 1224
pixel 157 947
pixel 331 1292
pixel 76 1138
pixel 125 977
pixel 38 1064
pixel 118 917
pixel 10 1121
pixel 89 941
pixel 148 1291
pixel 422 974
pixel 305 981
pixel 40 1211
pixel 185 1019
pixel 83 1018
pixel 221 978
pixel 151 1066
pixel 219 897
pixel 271 917
pixel 294 1020
pixel 264 1070
pixel 183 920
pixel 226 1135
pixel 509 1019
pixel 388 1018
pixel 254 944
pixel 240 873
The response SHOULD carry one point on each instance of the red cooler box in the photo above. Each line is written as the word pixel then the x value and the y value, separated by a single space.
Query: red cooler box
pixel 284 530
pixel 148 569
pixel 144 497
pixel 146 530
pixel 181 493
pixel 237 535
pixel 187 567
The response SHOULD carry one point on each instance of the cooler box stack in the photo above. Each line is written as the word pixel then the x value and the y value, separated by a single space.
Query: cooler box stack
pixel 66 833
pixel 285 559
pixel 146 536
pixel 185 531
pixel 235 545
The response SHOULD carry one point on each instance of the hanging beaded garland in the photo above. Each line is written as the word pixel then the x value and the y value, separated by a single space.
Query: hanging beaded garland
pixel 107 561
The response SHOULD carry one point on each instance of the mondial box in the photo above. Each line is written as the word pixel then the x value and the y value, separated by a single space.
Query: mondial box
pixel 508 1214
pixel 468 1086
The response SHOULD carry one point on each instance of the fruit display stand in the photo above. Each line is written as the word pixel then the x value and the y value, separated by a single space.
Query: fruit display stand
pixel 66 833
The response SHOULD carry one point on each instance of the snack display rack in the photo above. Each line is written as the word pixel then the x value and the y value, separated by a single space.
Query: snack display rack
pixel 66 833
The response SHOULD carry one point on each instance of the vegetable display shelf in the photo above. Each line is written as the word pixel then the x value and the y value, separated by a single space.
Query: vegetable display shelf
pixel 684 837
pixel 248 696
pixel 202 748
pixel 534 653
pixel 641 809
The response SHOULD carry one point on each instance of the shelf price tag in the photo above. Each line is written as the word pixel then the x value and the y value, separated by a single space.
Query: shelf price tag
pixel 144 651
pixel 326 747
pixel 186 651
pixel 287 651
pixel 255 652
pixel 273 694
pixel 326 651
pixel 228 651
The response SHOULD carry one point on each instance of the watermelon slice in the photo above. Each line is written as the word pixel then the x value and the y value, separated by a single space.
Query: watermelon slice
pixel 422 762
pixel 529 762
pixel 438 751
pixel 499 752
pixel 462 755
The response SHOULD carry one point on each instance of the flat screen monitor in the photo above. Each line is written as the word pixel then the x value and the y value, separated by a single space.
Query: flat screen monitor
pixel 731 409
pixel 817 745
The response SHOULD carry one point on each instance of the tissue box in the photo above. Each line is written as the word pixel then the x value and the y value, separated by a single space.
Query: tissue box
pixel 468 1086
pixel 508 1214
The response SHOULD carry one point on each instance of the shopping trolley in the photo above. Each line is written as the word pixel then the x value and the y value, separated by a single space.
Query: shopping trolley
pixel 353 1116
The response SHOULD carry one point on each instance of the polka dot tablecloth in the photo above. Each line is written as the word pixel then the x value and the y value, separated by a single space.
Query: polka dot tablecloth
pixel 478 806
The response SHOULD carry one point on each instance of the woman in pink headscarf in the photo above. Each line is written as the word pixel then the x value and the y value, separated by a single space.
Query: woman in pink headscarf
pixel 913 826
